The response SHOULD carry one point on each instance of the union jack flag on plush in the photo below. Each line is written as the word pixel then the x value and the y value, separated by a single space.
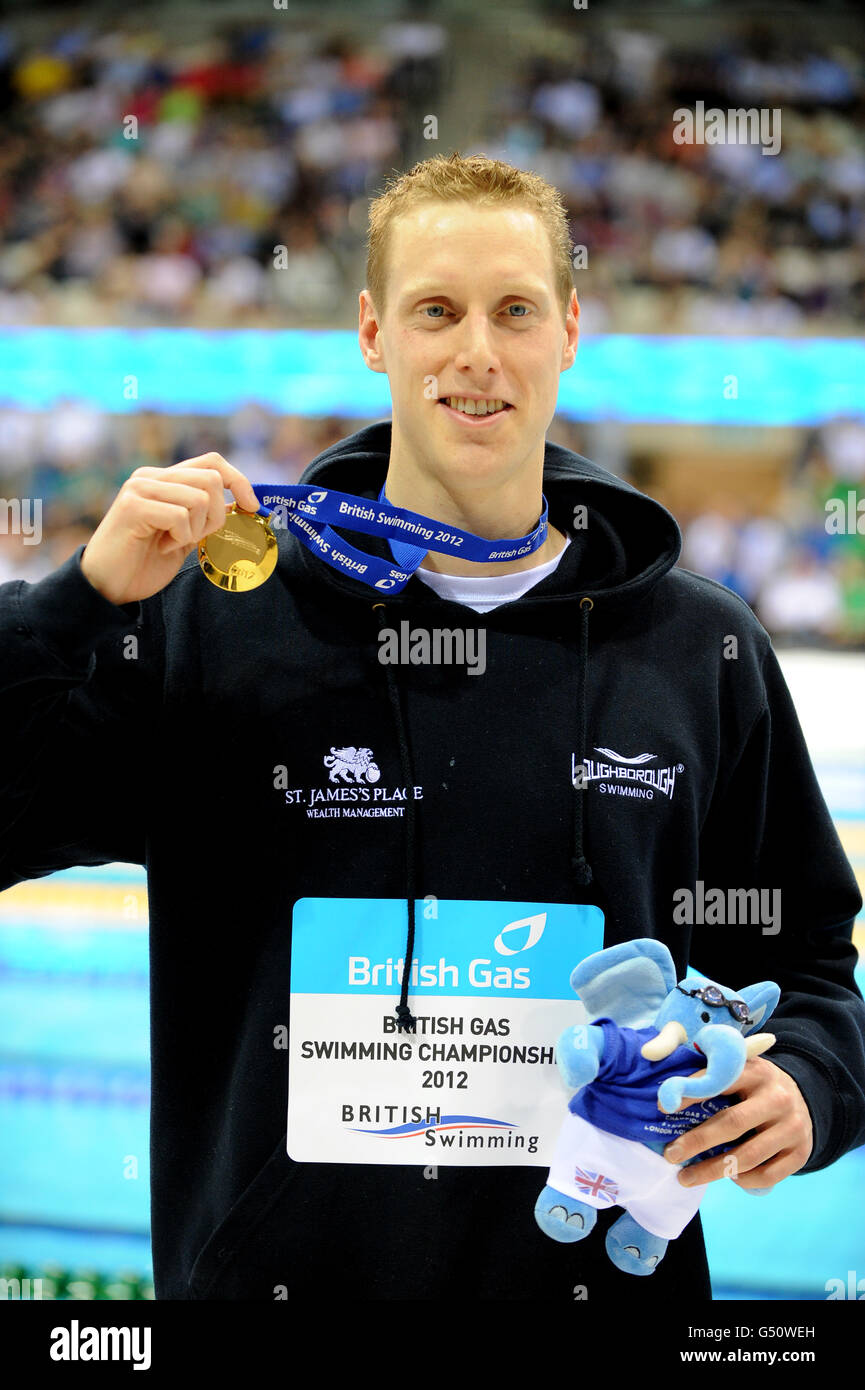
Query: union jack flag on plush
pixel 596 1185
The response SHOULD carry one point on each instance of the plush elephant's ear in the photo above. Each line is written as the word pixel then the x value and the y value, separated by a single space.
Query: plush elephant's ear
pixel 627 983
pixel 762 1001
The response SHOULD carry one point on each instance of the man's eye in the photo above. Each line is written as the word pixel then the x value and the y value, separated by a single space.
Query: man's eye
pixel 429 310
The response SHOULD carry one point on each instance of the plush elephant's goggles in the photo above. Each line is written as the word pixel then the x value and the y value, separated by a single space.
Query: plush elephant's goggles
pixel 710 994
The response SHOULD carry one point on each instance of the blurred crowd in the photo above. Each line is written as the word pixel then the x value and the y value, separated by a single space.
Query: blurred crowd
pixel 697 237
pixel 800 565
pixel 805 579
pixel 220 182
pixel 224 182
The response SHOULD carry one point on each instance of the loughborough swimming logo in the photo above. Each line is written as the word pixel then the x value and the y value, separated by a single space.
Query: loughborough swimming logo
pixel 625 776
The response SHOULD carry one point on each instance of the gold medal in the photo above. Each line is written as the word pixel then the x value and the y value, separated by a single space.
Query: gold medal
pixel 242 554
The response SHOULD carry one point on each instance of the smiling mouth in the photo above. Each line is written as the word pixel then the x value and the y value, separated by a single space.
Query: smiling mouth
pixel 474 412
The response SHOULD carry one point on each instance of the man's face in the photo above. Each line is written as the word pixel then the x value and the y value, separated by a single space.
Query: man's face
pixel 472 311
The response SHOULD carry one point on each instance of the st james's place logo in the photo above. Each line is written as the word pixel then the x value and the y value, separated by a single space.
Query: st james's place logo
pixel 625 776
pixel 352 765
pixel 354 788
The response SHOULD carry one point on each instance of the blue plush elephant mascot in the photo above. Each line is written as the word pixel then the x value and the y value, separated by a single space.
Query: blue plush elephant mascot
pixel 630 1067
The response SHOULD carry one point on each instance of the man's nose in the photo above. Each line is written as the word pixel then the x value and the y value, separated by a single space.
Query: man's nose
pixel 475 346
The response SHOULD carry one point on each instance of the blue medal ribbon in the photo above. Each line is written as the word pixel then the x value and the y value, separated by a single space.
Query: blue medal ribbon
pixel 308 510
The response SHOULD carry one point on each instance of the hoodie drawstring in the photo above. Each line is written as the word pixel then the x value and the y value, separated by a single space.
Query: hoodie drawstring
pixel 406 1021
pixel 580 865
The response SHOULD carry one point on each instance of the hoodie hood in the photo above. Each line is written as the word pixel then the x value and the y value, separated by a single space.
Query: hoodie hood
pixel 627 544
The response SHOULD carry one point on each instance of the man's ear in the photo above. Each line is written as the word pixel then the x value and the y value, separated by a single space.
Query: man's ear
pixel 572 332
pixel 368 333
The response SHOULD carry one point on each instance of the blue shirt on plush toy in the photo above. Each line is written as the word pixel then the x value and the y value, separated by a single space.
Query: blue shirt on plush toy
pixel 623 1098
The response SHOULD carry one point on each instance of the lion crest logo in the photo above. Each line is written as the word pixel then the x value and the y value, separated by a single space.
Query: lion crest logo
pixel 351 765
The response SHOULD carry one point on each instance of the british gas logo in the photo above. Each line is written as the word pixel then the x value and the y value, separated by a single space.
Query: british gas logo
pixel 474 948
pixel 480 973
pixel 535 927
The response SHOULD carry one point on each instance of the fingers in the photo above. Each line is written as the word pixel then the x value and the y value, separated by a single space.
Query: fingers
pixel 173 521
pixel 760 1178
pixel 232 478
pixel 195 488
pixel 199 492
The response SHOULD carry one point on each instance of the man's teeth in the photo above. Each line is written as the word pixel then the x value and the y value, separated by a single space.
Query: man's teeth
pixel 474 407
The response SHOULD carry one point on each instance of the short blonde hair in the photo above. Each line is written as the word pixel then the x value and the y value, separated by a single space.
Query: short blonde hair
pixel 473 179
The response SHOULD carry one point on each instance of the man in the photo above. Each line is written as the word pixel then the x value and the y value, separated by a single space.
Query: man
pixel 316 803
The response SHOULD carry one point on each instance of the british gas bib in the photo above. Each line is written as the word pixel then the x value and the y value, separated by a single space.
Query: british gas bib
pixel 476 1084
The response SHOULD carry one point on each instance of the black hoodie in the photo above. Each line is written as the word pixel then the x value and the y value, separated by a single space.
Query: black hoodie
pixel 197 733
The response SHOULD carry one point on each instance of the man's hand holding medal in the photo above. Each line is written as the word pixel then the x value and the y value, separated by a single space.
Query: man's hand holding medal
pixel 161 514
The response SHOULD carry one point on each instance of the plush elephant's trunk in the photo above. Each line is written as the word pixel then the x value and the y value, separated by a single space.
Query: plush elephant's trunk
pixel 671 1036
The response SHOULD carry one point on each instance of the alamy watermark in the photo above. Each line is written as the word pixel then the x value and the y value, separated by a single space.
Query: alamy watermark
pixel 21 1289
pixel 77 1343
pixel 853 1288
pixel 738 126
pixel 437 646
pixel 728 907
pixel 845 518
pixel 22 516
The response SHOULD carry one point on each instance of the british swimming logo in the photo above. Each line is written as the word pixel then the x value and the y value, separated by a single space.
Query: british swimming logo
pixel 453 1131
